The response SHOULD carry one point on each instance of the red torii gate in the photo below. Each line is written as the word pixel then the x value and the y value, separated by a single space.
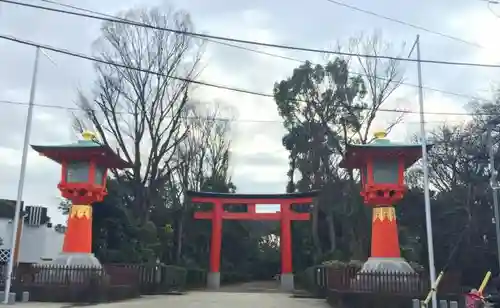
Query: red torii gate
pixel 285 216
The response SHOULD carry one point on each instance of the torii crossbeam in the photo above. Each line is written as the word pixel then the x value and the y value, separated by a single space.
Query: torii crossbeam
pixel 286 215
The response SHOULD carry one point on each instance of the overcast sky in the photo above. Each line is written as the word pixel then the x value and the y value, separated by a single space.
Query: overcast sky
pixel 259 161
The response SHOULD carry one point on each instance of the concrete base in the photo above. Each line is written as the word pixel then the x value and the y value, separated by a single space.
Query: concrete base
pixel 25 297
pixel 77 259
pixel 12 298
pixel 442 304
pixel 82 260
pixel 384 265
pixel 393 265
pixel 213 281
pixel 286 282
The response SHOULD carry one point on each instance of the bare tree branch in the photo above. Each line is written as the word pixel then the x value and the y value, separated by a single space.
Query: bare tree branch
pixel 139 113
pixel 383 77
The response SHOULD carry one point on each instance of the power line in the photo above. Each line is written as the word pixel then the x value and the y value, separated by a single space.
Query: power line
pixel 401 22
pixel 9 102
pixel 142 70
pixel 471 97
pixel 223 119
pixel 217 86
pixel 235 40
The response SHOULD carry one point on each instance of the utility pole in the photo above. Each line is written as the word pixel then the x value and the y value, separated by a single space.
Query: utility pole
pixel 493 183
pixel 428 217
pixel 22 175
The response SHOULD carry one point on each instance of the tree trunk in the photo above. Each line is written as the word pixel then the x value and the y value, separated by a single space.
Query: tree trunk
pixel 356 246
pixel 331 232
pixel 314 230
pixel 180 232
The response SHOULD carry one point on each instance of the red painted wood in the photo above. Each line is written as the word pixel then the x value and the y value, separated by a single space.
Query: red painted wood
pixel 94 193
pixel 251 208
pixel 92 172
pixel 216 241
pixel 249 201
pixel 252 216
pixel 401 171
pixel 105 177
pixel 78 236
pixel 286 239
pixel 369 170
pixel 385 241
pixel 64 172
pixel 285 216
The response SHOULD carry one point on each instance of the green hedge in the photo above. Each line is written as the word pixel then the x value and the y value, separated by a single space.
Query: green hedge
pixel 233 277
pixel 175 277
pixel 196 277
pixel 313 279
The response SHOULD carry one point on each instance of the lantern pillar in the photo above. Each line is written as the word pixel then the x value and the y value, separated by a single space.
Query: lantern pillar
pixel 77 245
pixel 78 236
pixel 385 242
pixel 385 251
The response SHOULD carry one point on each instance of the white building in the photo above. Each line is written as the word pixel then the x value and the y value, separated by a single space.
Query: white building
pixel 39 242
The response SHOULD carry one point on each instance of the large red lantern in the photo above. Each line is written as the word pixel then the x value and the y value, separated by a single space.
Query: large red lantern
pixel 382 164
pixel 83 181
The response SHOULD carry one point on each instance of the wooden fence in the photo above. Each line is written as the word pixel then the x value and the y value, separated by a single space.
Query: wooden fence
pixel 112 282
pixel 349 287
pixel 353 280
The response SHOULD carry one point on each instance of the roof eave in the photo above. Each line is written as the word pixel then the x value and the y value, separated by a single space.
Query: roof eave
pixel 115 160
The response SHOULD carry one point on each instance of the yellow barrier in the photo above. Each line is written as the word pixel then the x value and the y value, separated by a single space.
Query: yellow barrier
pixel 432 290
pixel 484 283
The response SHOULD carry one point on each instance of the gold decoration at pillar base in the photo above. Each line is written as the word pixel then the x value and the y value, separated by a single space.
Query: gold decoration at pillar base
pixel 383 213
pixel 80 211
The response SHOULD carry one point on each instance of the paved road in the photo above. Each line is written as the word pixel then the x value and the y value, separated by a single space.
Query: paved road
pixel 253 286
pixel 204 299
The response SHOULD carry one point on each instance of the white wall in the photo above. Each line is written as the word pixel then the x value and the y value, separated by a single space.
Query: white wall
pixel 6 233
pixel 32 244
pixel 37 242
pixel 53 243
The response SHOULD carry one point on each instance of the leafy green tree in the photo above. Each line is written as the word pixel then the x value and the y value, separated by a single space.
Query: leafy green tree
pixel 117 236
pixel 325 107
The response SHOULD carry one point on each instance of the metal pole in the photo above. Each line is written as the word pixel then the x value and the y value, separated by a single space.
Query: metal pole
pixel 493 184
pixel 22 174
pixel 428 217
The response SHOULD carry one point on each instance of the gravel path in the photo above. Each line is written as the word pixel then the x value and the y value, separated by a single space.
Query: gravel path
pixel 205 299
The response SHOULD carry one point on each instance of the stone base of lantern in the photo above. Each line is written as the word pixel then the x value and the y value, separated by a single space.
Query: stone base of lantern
pixel 81 268
pixel 77 259
pixel 385 275
pixel 391 265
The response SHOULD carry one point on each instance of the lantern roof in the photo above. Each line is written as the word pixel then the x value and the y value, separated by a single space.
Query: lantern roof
pixel 357 155
pixel 87 149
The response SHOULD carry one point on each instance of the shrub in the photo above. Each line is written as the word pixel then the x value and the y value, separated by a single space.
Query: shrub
pixel 334 263
pixel 196 277
pixel 175 277
pixel 417 267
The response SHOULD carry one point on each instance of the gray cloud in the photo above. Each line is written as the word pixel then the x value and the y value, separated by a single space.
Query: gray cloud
pixel 259 187
pixel 262 159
